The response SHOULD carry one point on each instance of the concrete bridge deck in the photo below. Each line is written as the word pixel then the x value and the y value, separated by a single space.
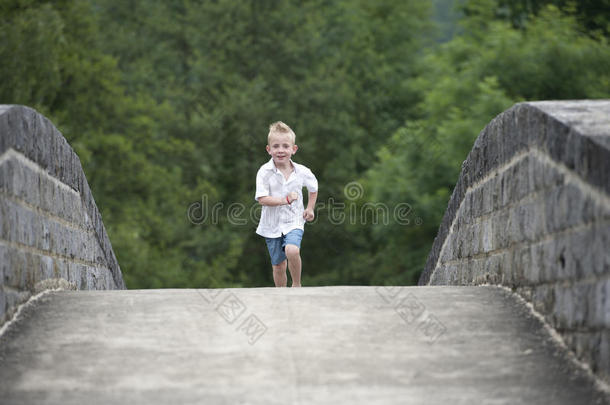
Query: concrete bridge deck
pixel 314 345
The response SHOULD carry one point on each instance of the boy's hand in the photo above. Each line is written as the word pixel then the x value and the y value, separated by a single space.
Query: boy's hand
pixel 293 196
pixel 308 214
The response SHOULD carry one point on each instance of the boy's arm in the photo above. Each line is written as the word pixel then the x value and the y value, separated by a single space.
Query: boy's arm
pixel 311 201
pixel 309 214
pixel 275 201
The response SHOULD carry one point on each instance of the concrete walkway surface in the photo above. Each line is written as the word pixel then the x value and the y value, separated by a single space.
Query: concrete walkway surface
pixel 313 345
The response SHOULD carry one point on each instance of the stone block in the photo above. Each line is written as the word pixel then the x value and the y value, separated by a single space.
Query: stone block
pixel 451 246
pixel 599 302
pixel 104 277
pixel 530 219
pixel 529 263
pixel 21 225
pixel 543 298
pixel 7 231
pixel 544 254
pixel 46 268
pixel 487 196
pixel 475 238
pixel 602 364
pixel 84 277
pixel 443 274
pixel 588 251
pixel 486 235
pixel 492 270
pixel 464 212
pixel 94 278
pixel 513 225
pixel 461 242
pixel 574 254
pixel 4 263
pixel 450 274
pixel 509 265
pixel 565 208
pixel 571 305
pixel 6 178
pixel 562 311
pixel 446 254
pixel 581 293
pixel 97 278
pixel 100 278
pixel 467 269
pixel 499 226
pixel 601 254
pixel 530 172
pixel 48 192
pixel 506 184
pixel 73 271
pixel 14 180
pixel 555 209
pixel 3 305
pixel 564 259
pixel 476 202
pixel 15 276
pixel 67 241
pixel 110 280
pixel 553 261
pixel 581 208
pixel 506 263
pixel 537 168
pixel 98 255
pixel 523 187
pixel 86 282
pixel 60 268
pixel 537 273
pixel 493 194
pixel 32 269
pixel 439 275
pixel 522 259
pixel 551 177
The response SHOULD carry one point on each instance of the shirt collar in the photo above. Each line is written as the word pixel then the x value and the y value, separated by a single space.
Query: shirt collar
pixel 271 166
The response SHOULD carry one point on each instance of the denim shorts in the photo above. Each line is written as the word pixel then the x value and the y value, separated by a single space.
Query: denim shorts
pixel 276 245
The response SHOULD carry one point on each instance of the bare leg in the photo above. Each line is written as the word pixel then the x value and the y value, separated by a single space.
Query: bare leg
pixel 294 264
pixel 279 274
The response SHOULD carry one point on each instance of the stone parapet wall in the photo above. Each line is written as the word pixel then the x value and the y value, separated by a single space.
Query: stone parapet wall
pixel 51 232
pixel 531 211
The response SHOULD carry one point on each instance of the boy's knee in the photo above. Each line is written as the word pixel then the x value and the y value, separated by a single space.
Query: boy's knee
pixel 280 267
pixel 291 250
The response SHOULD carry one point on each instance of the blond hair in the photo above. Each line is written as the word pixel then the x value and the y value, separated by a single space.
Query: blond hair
pixel 279 128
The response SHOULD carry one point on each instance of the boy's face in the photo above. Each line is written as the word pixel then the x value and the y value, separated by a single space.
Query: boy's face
pixel 281 148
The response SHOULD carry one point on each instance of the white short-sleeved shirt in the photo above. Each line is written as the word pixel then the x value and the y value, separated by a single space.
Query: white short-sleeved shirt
pixel 270 181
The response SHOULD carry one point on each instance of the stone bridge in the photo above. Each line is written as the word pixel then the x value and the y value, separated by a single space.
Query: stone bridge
pixel 513 306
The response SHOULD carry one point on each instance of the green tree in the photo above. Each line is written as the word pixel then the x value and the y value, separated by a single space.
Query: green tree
pixel 469 80
pixel 592 15
pixel 337 72
pixel 130 162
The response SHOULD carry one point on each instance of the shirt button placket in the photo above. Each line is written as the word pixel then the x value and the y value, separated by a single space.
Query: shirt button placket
pixel 283 208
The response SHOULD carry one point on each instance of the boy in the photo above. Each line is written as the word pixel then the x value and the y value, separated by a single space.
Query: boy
pixel 279 186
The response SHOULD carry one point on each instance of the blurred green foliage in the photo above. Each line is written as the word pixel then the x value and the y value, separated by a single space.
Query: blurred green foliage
pixel 168 103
